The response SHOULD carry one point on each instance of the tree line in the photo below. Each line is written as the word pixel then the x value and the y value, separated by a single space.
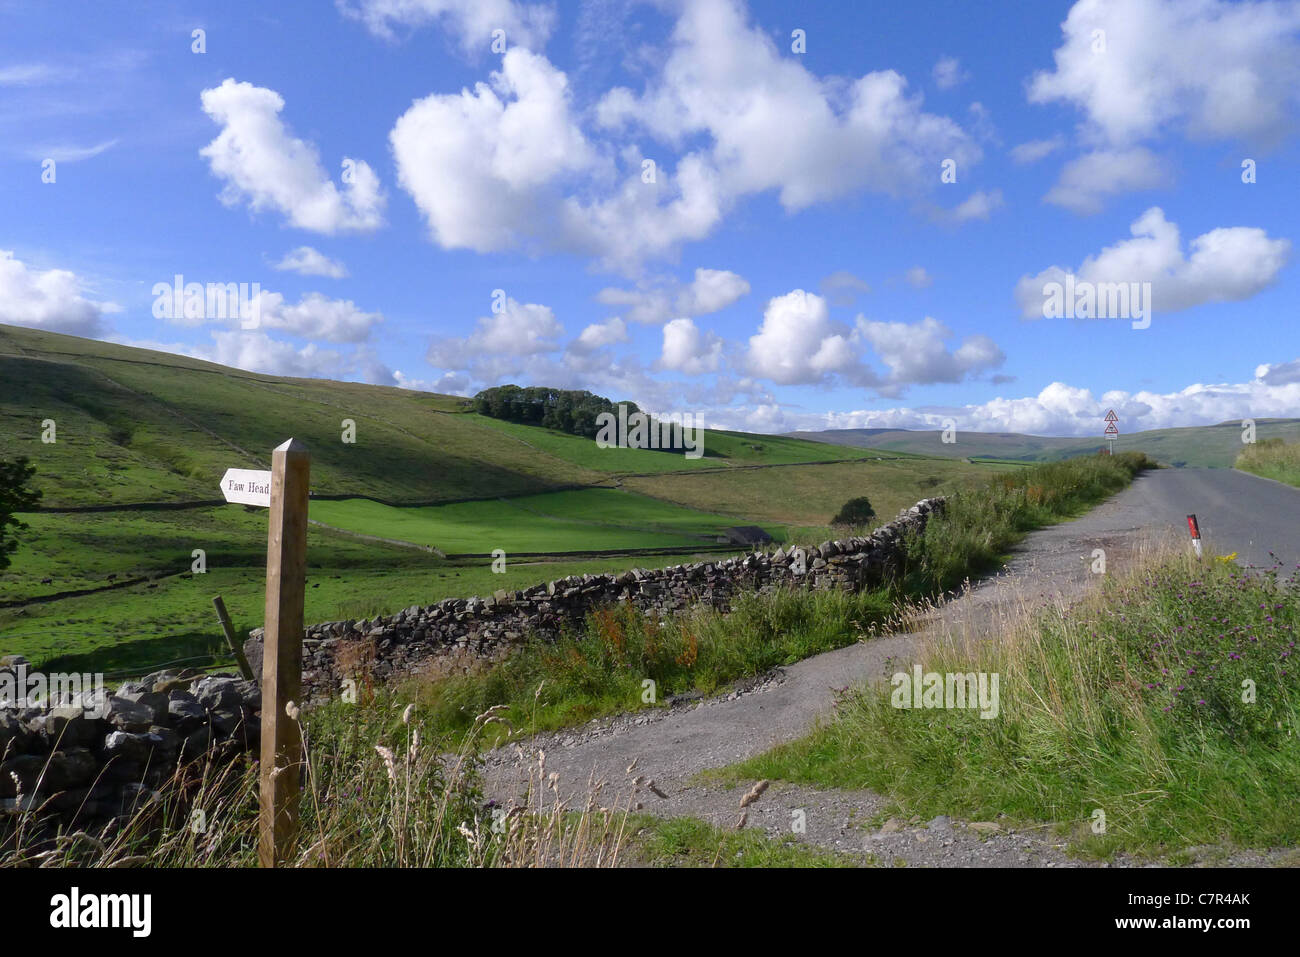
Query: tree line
pixel 564 410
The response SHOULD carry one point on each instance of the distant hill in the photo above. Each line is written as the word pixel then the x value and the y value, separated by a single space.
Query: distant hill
pixel 1211 446
pixel 135 426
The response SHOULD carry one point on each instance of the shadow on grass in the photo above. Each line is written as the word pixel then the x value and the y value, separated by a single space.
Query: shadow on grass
pixel 189 650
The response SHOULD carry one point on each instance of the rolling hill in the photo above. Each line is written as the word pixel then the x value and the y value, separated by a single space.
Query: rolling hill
pixel 1207 446
pixel 105 577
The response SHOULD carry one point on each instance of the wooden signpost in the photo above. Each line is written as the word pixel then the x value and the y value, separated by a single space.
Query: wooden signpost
pixel 286 571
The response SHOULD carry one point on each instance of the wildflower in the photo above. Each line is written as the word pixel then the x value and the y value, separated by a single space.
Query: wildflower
pixel 389 763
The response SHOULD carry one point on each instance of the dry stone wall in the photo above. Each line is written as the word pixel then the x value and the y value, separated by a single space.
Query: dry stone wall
pixel 485 628
pixel 102 755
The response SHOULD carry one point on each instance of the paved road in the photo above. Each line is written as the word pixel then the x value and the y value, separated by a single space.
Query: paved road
pixel 1237 512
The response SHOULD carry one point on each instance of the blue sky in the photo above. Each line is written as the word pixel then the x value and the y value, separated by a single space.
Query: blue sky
pixel 797 261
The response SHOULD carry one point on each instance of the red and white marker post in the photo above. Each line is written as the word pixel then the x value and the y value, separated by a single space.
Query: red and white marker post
pixel 1195 529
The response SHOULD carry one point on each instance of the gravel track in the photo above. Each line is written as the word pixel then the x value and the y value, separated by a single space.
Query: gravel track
pixel 1237 512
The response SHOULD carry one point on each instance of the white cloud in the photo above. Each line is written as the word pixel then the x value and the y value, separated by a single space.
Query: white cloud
pixel 52 299
pixel 979 205
pixel 525 24
pixel 508 165
pixel 518 330
pixel 258 352
pixel 948 73
pixel 70 154
pixel 32 74
pixel 1086 181
pixel 713 290
pixel 916 354
pixel 655 302
pixel 478 163
pixel 1207 68
pixel 918 278
pixel 307 261
pixel 255 351
pixel 1034 150
pixel 775 125
pixel 1284 373
pixel 316 316
pixel 262 164
pixel 1224 265
pixel 799 344
pixel 842 288
pixel 598 335
pixel 688 350
pixel 1062 409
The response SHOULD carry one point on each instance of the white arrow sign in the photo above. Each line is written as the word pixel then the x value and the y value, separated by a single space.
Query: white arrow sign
pixel 247 487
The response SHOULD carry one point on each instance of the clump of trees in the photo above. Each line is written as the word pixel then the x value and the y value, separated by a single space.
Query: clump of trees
pixel 15 496
pixel 856 511
pixel 562 409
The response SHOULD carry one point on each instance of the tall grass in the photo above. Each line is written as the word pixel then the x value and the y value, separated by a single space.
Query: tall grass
pixel 1272 458
pixel 387 783
pixel 603 667
pixel 378 791
pixel 1169 703
pixel 980 524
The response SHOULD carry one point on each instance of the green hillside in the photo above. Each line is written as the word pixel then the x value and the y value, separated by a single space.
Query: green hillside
pixel 1208 446
pixel 137 430
pixel 137 426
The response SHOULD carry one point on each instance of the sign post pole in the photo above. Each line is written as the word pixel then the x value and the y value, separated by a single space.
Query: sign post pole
pixel 286 569
pixel 1112 432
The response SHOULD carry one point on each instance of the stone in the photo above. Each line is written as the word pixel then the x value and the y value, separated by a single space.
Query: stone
pixel 70 768
pixel 184 710
pixel 155 701
pixel 26 768
pixel 128 746
pixel 127 715
pixel 15 738
pixel 197 744
pixel 214 693
pixel 69 727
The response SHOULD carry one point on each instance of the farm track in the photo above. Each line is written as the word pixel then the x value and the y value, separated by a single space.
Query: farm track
pixel 673 745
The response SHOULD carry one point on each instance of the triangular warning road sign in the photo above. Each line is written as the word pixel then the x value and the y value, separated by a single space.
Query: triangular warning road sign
pixel 1111 416
pixel 1111 430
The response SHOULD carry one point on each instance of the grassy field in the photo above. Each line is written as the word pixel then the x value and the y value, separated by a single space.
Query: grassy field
pixel 138 426
pixel 1272 458
pixel 807 497
pixel 169 616
pixel 720 450
pixel 601 669
pixel 582 520
pixel 393 779
pixel 134 427
pixel 1168 703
